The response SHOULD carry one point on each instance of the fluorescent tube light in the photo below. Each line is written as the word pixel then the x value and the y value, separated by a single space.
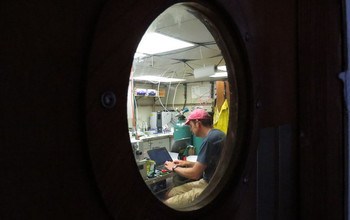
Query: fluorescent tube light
pixel 139 55
pixel 219 74
pixel 158 79
pixel 204 71
pixel 222 68
pixel 153 43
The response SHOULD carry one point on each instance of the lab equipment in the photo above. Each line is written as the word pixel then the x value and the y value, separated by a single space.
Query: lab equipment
pixel 159 120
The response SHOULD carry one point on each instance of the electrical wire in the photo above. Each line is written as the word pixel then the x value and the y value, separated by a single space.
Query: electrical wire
pixel 136 113
pixel 183 76
pixel 185 94
pixel 175 95
pixel 169 86
pixel 160 100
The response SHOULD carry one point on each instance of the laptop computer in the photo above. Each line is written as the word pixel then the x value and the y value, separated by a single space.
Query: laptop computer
pixel 159 156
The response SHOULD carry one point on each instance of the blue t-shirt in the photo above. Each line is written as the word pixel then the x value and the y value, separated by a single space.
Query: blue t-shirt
pixel 209 152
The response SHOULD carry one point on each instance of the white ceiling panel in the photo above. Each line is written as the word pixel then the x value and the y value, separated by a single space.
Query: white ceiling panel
pixel 177 22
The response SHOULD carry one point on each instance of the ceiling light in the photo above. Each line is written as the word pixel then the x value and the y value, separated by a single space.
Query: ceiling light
pixel 222 68
pixel 154 43
pixel 157 79
pixel 204 71
pixel 139 56
pixel 219 74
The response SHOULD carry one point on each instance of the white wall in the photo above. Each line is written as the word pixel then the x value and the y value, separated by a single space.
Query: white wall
pixel 198 94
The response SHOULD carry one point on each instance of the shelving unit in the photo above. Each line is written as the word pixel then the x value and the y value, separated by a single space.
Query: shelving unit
pixel 161 93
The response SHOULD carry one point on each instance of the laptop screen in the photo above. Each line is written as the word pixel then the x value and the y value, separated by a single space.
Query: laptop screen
pixel 159 155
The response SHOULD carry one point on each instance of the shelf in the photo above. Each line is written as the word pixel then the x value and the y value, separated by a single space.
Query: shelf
pixel 161 94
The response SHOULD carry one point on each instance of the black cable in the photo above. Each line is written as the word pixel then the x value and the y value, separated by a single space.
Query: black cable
pixel 185 94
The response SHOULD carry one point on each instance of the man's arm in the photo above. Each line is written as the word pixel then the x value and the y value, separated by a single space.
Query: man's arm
pixel 183 163
pixel 195 172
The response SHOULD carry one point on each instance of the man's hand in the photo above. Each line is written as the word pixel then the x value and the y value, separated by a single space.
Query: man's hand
pixel 182 163
pixel 169 165
pixel 191 170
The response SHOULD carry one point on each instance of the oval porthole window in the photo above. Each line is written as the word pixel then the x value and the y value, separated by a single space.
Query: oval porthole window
pixel 182 100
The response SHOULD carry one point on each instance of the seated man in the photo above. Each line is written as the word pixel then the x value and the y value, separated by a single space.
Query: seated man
pixel 202 170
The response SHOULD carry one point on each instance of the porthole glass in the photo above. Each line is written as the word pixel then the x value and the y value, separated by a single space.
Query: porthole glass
pixel 180 72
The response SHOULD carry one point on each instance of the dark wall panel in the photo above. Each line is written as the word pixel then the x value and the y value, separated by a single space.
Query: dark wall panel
pixel 277 177
pixel 320 110
pixel 44 161
pixel 267 202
